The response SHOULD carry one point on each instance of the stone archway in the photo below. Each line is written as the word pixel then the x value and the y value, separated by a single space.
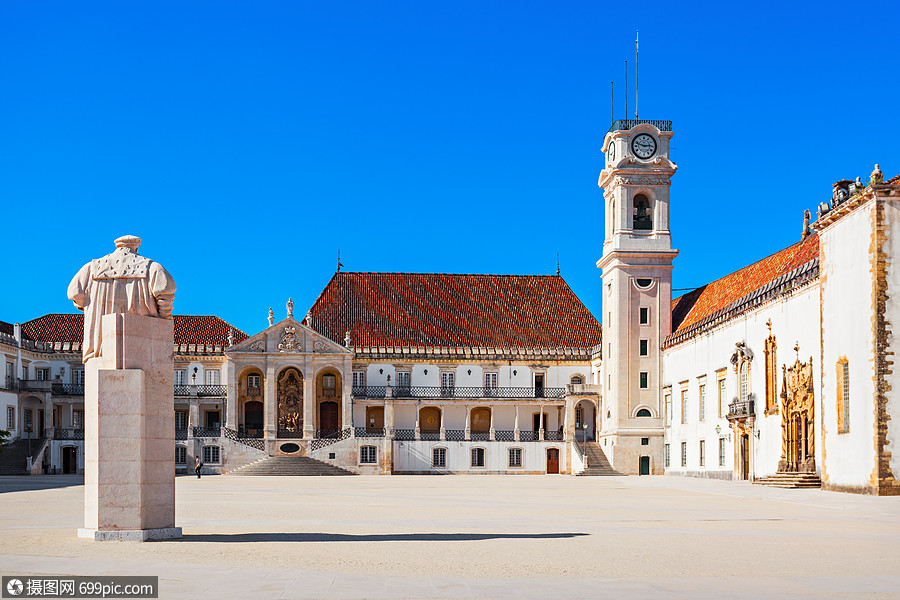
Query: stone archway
pixel 290 403
pixel 798 446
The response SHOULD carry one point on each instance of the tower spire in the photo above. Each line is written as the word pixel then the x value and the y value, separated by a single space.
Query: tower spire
pixel 339 265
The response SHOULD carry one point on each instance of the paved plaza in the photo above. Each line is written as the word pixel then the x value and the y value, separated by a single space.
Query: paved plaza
pixel 475 537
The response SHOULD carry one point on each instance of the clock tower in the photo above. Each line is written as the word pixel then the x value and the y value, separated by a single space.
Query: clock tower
pixel 637 292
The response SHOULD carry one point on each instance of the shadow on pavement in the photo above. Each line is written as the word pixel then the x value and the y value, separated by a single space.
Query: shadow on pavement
pixel 378 537
pixel 25 483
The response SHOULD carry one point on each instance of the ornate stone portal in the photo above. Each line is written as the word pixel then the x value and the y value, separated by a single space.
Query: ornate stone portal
pixel 290 402
pixel 798 450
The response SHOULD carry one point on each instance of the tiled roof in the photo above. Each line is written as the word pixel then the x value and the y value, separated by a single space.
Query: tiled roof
pixel 442 310
pixel 6 328
pixel 189 329
pixel 703 302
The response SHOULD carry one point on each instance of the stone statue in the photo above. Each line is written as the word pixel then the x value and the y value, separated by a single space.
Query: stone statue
pixel 877 176
pixel 805 224
pixel 308 319
pixel 271 317
pixel 120 283
pixel 290 308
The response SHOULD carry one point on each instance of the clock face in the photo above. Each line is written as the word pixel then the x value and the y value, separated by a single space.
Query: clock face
pixel 643 145
pixel 612 152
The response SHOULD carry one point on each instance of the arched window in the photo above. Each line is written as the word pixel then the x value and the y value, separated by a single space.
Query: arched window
pixel 576 380
pixel 744 381
pixel 644 413
pixel 642 218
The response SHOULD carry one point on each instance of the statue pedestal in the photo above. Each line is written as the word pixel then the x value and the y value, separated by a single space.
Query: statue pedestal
pixel 129 430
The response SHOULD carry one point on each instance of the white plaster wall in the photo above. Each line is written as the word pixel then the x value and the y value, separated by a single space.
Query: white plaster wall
pixel 55 451
pixel 8 399
pixel 847 313
pixel 416 457
pixel 892 309
pixel 795 318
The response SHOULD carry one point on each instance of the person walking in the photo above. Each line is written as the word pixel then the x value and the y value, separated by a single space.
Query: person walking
pixel 197 464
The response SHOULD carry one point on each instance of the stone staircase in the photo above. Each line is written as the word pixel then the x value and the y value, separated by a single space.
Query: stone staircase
pixel 290 466
pixel 597 463
pixel 15 455
pixel 791 480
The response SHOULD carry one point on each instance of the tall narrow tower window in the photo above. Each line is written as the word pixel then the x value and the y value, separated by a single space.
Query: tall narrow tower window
pixel 642 219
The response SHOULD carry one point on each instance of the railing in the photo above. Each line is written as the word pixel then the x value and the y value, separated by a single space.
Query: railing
pixel 257 433
pixel 180 434
pixel 431 436
pixel 553 436
pixel 455 435
pixel 740 408
pixel 253 391
pixel 68 433
pixel 234 436
pixel 621 124
pixel 480 436
pixel 34 385
pixel 424 391
pixel 295 434
pixel 528 436
pixel 505 435
pixel 369 432
pixel 9 383
pixel 67 389
pixel 327 433
pixel 201 390
pixel 207 432
pixel 320 443
pixel 404 434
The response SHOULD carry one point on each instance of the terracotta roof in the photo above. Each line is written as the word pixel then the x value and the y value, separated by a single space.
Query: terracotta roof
pixel 442 310
pixel 189 329
pixel 703 302
pixel 7 328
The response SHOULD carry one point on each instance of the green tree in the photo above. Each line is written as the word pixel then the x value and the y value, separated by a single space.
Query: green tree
pixel 4 437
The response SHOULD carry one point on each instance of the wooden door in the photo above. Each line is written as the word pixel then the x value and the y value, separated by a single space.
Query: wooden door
pixel 745 457
pixel 374 417
pixel 328 416
pixel 253 416
pixel 552 461
pixel 70 460
pixel 645 465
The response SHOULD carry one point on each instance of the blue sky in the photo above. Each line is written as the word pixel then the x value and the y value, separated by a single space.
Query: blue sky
pixel 248 142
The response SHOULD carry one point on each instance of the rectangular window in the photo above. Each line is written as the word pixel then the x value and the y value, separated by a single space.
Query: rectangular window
pixel 439 457
pixel 253 381
pixel 180 419
pixel 211 455
pixel 42 374
pixel 668 409
pixel 515 457
pixel 329 384
pixel 28 421
pixel 723 409
pixel 404 380
pixel 684 409
pixel 368 455
pixel 643 380
pixel 579 418
pixel 683 454
pixel 667 455
pixel 702 401
pixel 212 377
pixel 702 453
pixel 477 457
pixel 490 384
pixel 78 419
pixel 645 441
pixel 10 417
pixel 843 407
pixel 359 380
pixel 180 377
pixel 645 348
pixel 180 455
pixel 645 316
pixel 78 376
pixel 448 382
pixel 25 372
pixel 721 452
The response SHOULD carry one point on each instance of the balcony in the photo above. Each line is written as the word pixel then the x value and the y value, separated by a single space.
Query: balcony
pixel 201 391
pixel 625 124
pixel 207 432
pixel 68 433
pixel 740 409
pixel 434 392
pixel 34 385
pixel 67 389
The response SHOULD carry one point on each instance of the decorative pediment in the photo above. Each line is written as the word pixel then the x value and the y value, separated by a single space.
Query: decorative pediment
pixel 288 337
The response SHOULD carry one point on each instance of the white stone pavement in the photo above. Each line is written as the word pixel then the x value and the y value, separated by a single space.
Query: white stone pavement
pixel 475 537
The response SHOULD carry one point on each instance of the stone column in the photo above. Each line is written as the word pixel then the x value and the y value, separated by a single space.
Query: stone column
pixel 541 424
pixel 347 396
pixel 491 430
pixel 468 432
pixel 569 427
pixel 47 425
pixel 389 419
pixel 443 431
pixel 516 426
pixel 193 414
pixel 129 432
pixel 231 397
pixel 309 403
pixel 417 431
pixel 270 395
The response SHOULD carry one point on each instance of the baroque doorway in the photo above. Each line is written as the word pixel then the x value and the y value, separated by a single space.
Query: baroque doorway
pixel 798 446
pixel 290 403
